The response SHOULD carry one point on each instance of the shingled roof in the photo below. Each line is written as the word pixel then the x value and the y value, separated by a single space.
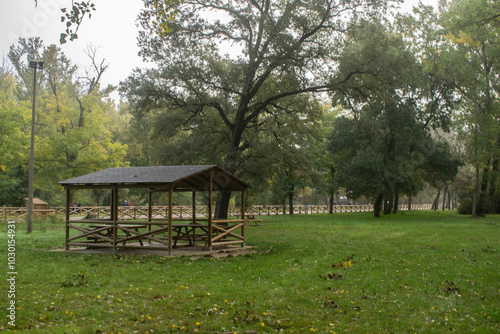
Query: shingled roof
pixel 180 177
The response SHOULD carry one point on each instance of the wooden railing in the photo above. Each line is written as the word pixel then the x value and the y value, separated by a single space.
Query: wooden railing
pixel 180 212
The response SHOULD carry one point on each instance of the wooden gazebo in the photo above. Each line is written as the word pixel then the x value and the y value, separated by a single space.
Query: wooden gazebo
pixel 156 233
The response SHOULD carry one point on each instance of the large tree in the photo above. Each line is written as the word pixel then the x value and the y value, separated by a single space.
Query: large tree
pixel 384 147
pixel 285 150
pixel 15 118
pixel 73 115
pixel 473 30
pixel 240 60
pixel 458 44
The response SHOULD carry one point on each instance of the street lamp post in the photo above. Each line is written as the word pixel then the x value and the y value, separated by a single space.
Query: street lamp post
pixel 34 65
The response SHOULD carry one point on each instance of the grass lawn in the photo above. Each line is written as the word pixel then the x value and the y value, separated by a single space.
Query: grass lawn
pixel 421 272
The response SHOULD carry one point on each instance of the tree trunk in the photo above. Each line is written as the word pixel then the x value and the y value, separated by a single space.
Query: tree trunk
pixel 409 203
pixel 435 203
pixel 476 178
pixel 475 193
pixel 330 203
pixel 232 157
pixel 222 205
pixel 395 206
pixel 444 196
pixel 483 205
pixel 493 194
pixel 450 198
pixel 377 205
pixel 290 202
pixel 332 194
pixel 388 207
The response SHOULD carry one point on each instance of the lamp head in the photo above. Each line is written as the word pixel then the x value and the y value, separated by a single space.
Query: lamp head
pixel 36 64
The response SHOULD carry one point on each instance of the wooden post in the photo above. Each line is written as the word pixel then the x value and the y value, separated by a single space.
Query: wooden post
pixel 243 217
pixel 114 216
pixel 170 201
pixel 194 207
pixel 68 198
pixel 150 210
pixel 210 194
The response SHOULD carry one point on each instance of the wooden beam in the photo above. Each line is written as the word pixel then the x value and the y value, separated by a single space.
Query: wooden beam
pixel 102 245
pixel 243 216
pixel 111 186
pixel 232 242
pixel 114 216
pixel 210 210
pixel 227 232
pixel 170 202
pixel 68 199
pixel 87 232
pixel 154 187
pixel 150 209
pixel 193 207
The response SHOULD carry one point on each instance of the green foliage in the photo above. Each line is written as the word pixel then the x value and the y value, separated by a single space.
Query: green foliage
pixel 284 48
pixel 74 18
pixel 384 146
pixel 463 48
pixel 14 186
pixel 162 12
pixel 429 272
pixel 440 164
pixel 465 207
pixel 73 120
pixel 15 129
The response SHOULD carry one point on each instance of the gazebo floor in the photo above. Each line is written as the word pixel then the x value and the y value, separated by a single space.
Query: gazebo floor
pixel 193 251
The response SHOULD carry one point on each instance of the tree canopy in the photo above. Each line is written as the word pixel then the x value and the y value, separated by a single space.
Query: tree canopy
pixel 460 41
pixel 73 134
pixel 287 94
pixel 385 147
pixel 283 50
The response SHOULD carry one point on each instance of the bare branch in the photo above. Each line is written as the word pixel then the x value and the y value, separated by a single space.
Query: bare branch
pixel 98 68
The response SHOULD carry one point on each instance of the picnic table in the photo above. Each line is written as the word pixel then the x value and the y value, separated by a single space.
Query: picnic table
pixel 188 233
pixel 251 219
pixel 104 232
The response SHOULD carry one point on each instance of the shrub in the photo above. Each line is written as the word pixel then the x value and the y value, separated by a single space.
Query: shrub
pixel 465 207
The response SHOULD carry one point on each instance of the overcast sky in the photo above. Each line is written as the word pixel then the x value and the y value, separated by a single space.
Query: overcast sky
pixel 112 29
